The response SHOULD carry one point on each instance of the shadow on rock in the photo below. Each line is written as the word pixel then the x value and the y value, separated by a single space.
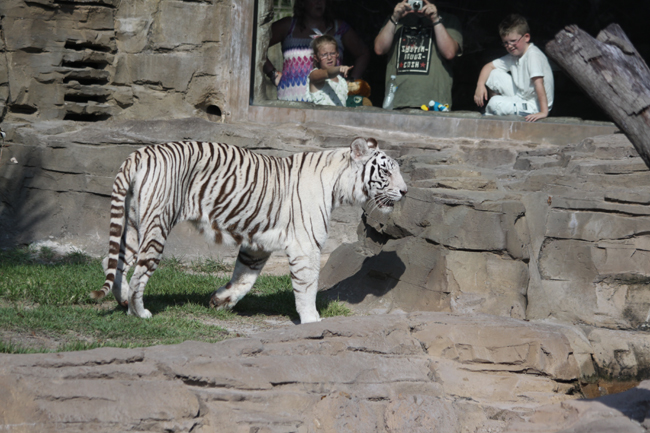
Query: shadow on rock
pixel 376 276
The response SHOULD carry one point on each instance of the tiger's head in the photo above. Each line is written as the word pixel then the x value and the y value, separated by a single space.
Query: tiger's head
pixel 383 184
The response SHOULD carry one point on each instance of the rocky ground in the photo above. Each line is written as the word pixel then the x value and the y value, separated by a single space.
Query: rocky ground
pixel 392 373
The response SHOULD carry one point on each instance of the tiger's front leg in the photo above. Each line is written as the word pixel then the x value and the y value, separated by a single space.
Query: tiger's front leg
pixel 247 268
pixel 305 269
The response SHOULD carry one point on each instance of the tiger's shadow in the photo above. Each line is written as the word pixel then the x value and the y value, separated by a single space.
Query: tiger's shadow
pixel 376 278
pixel 280 303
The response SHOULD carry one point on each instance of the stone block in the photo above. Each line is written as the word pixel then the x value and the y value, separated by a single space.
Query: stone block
pixel 123 96
pixel 534 344
pixel 24 33
pixel 159 104
pixel 619 354
pixel 131 401
pixel 488 156
pixel 171 71
pixel 98 18
pixel 486 283
pixel 607 282
pixel 186 25
pixel 593 226
pixel 132 33
pixel 205 91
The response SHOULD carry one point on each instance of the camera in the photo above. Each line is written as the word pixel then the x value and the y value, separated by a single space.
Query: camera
pixel 416 5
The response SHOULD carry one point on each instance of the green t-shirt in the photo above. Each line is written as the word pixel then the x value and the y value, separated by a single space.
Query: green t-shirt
pixel 422 74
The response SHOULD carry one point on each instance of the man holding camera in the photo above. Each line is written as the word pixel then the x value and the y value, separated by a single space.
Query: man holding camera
pixel 421 43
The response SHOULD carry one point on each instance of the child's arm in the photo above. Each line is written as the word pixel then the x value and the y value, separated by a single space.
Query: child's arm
pixel 481 93
pixel 538 84
pixel 318 76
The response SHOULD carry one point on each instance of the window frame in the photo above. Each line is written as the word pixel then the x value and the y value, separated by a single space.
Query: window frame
pixel 252 20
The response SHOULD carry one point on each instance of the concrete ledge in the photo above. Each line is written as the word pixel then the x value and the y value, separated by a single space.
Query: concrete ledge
pixel 560 131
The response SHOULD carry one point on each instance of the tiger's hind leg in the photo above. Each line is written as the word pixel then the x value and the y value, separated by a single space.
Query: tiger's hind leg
pixel 149 254
pixel 128 248
pixel 247 268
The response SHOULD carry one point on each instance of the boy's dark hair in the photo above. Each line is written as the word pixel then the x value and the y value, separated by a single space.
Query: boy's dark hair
pixel 513 23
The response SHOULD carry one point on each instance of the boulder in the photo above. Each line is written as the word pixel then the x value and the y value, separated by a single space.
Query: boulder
pixel 390 373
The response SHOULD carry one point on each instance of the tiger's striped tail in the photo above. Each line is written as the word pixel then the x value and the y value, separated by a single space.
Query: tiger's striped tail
pixel 119 210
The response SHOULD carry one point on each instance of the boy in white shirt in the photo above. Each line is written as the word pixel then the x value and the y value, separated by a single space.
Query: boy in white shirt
pixel 520 82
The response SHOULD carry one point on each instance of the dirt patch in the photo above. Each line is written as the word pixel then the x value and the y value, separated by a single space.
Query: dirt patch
pixel 30 340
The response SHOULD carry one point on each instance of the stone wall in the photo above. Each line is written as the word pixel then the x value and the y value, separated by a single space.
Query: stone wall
pixel 56 177
pixel 86 60
pixel 514 230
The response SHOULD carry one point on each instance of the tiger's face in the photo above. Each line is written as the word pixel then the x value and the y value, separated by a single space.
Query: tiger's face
pixel 383 184
pixel 384 181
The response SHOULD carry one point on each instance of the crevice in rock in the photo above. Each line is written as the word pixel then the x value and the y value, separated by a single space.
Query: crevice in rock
pixel 32 50
pixel 627 202
pixel 76 4
pixel 378 399
pixel 202 383
pixel 604 211
pixel 96 194
pixel 85 80
pixel 78 97
pixel 75 397
pixel 95 362
pixel 87 117
pixel 81 64
pixel 327 334
pixel 77 45
pixel 73 173
pixel 22 109
pixel 471 250
pixel 368 351
pixel 276 384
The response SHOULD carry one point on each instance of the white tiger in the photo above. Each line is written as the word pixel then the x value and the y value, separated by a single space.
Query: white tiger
pixel 236 196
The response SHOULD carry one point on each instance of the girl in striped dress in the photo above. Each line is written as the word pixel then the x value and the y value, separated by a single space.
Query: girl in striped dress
pixel 311 19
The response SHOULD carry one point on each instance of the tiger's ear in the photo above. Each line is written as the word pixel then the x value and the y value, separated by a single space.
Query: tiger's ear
pixel 362 148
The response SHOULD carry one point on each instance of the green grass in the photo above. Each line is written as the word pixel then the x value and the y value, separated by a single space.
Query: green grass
pixel 47 296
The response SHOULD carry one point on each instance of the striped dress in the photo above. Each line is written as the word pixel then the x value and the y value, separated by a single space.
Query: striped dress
pixel 299 62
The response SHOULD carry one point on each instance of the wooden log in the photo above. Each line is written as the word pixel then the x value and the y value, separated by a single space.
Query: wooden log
pixel 611 71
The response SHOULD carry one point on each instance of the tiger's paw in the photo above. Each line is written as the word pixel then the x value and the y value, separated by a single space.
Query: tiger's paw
pixel 223 298
pixel 309 318
pixel 220 303
pixel 146 314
